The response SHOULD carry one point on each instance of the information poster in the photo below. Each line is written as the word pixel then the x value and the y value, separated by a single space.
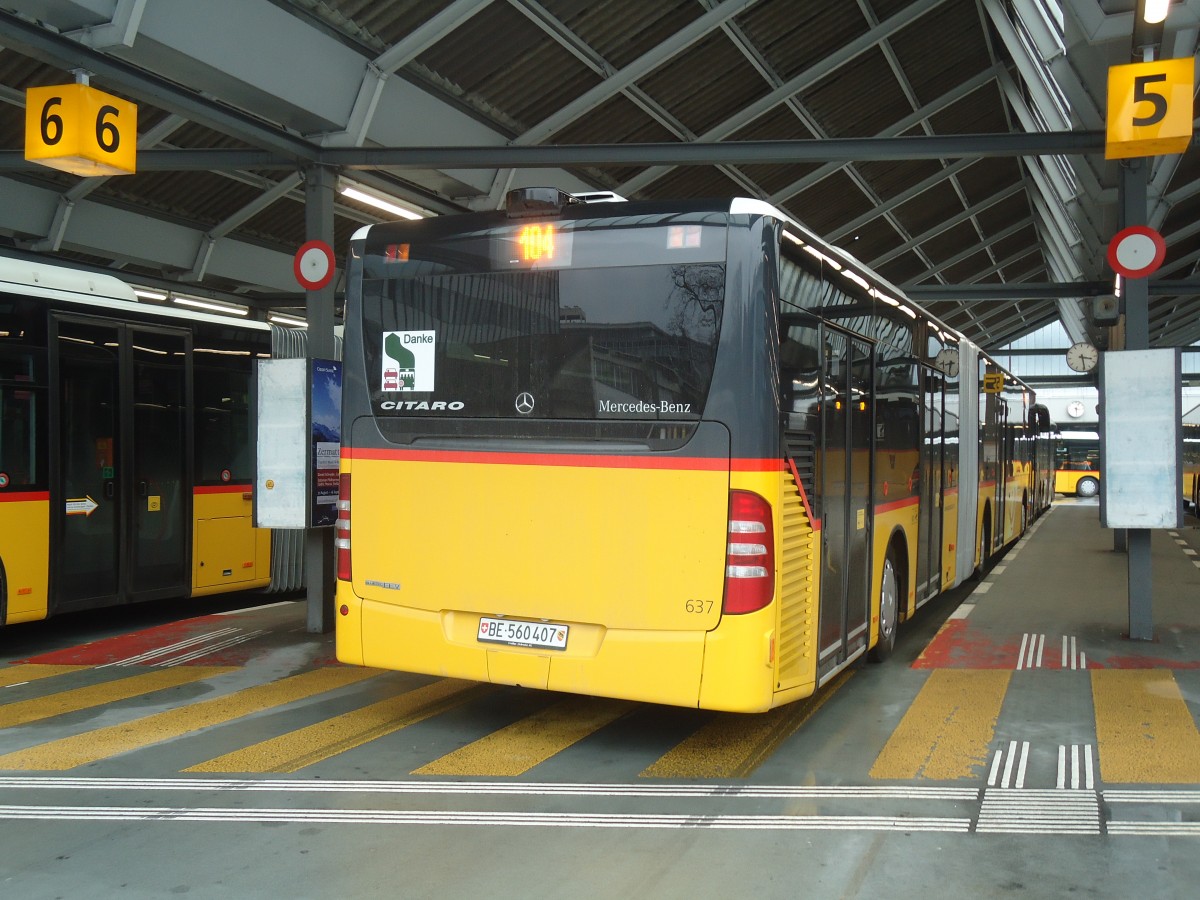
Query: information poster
pixel 326 439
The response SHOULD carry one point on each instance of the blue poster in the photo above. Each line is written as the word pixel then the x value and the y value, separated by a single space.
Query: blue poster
pixel 326 383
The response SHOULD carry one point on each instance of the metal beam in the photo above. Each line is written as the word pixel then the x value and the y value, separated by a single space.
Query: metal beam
pixel 641 66
pixel 795 85
pixel 56 50
pixel 725 153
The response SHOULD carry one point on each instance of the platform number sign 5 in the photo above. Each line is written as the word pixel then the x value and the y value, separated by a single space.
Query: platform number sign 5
pixel 1149 108
pixel 81 130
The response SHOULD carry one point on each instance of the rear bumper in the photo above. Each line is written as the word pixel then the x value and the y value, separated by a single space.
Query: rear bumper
pixel 679 668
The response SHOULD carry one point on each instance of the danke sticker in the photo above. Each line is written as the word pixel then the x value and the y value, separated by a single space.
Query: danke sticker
pixel 408 360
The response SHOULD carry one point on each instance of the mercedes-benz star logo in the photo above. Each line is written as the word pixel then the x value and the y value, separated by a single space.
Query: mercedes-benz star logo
pixel 524 403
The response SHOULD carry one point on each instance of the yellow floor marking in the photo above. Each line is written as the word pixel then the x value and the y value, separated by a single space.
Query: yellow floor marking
pixel 946 732
pixel 1144 731
pixel 306 746
pixel 11 675
pixel 733 745
pixel 106 742
pixel 519 747
pixel 25 711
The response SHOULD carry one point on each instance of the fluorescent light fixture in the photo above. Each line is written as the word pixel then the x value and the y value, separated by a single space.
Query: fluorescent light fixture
pixel 281 319
pixel 228 309
pixel 1155 11
pixel 147 294
pixel 387 204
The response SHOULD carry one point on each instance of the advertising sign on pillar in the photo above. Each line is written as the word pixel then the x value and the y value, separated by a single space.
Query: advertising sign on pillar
pixel 298 412
pixel 325 381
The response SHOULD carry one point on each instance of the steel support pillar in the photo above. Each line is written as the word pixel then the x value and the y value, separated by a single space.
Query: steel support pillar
pixel 319 186
pixel 1136 293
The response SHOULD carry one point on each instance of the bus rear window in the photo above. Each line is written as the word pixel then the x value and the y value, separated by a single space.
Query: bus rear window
pixel 588 321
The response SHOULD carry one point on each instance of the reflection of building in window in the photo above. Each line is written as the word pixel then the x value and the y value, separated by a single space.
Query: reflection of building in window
pixel 645 363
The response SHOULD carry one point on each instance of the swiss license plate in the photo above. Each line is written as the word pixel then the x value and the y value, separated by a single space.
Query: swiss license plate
pixel 516 633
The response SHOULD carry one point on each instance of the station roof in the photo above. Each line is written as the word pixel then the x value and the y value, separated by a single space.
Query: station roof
pixel 905 131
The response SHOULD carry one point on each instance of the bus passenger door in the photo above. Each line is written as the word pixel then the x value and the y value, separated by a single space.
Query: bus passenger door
pixel 845 484
pixel 86 506
pixel 929 530
pixel 120 486
pixel 160 510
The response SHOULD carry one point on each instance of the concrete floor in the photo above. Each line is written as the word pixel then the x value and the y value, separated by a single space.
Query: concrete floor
pixel 1015 744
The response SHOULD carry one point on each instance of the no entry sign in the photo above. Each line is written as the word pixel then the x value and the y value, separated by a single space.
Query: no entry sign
pixel 1136 251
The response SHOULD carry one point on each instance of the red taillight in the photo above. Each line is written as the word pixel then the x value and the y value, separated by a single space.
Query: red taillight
pixel 342 533
pixel 750 554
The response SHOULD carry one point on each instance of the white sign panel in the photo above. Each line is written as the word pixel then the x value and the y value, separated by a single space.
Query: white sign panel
pixel 1140 414
pixel 281 486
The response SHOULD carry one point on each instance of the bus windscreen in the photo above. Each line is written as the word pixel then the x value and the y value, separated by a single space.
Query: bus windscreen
pixel 570 320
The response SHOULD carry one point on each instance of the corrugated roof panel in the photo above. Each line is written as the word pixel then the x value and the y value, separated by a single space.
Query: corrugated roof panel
pixel 977 113
pixel 533 77
pixel 929 209
pixel 371 22
pixel 616 121
pixel 201 198
pixel 870 241
pixel 623 30
pixel 861 105
pixel 941 50
pixel 706 84
pixel 965 271
pixel 903 269
pixel 888 178
pixel 949 242
pixel 1000 215
pixel 693 181
pixel 986 179
pixel 793 37
pixel 831 201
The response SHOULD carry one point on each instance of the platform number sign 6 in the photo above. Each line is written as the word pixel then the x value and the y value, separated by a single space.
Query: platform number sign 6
pixel 78 129
pixel 1149 108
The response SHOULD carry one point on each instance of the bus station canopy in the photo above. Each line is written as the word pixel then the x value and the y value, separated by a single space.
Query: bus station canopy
pixel 956 146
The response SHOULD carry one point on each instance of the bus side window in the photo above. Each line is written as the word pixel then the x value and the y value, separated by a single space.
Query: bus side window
pixel 798 371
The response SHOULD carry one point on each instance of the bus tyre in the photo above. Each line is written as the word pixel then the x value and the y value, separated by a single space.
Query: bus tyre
pixel 1087 487
pixel 889 610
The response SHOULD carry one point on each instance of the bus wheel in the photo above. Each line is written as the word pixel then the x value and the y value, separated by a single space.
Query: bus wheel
pixel 889 610
pixel 985 543
pixel 1087 487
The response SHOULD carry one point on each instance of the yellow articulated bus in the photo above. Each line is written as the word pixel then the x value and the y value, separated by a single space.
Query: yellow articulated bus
pixel 126 447
pixel 1077 463
pixel 683 453
pixel 1190 455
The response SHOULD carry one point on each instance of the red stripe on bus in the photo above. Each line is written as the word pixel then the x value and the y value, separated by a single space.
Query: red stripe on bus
pixel 221 488
pixel 896 504
pixel 25 497
pixel 577 460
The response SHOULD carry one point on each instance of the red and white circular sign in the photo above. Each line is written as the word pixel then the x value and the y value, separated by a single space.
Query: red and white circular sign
pixel 1136 251
pixel 314 265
